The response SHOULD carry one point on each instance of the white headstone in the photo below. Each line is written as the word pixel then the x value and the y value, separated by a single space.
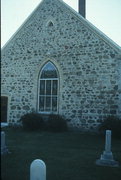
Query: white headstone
pixel 107 154
pixel 2 140
pixel 38 170
pixel 4 149
pixel 106 158
pixel 108 141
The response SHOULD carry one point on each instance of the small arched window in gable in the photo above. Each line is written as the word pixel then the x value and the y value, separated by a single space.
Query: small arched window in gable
pixel 48 89
pixel 50 24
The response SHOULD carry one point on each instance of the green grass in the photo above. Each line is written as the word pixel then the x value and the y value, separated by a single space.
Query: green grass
pixel 68 156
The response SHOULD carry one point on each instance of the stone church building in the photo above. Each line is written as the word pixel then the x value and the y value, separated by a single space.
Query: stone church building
pixel 58 62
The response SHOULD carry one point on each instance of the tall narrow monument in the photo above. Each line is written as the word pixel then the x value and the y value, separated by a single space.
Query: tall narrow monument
pixel 4 149
pixel 106 158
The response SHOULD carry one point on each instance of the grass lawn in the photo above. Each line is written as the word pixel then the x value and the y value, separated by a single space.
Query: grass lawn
pixel 68 156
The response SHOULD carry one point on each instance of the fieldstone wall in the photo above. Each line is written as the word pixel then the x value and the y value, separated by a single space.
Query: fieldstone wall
pixel 88 66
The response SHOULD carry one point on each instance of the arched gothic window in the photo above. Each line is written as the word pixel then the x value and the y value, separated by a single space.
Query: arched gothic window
pixel 48 89
pixel 50 24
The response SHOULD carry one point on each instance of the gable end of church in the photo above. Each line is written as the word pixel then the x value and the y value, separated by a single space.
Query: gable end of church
pixel 58 62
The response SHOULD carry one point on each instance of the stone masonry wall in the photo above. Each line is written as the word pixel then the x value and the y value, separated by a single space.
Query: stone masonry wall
pixel 88 67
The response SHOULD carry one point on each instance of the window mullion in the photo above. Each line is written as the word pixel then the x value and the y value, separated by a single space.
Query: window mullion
pixel 45 97
pixel 57 93
pixel 39 96
pixel 51 93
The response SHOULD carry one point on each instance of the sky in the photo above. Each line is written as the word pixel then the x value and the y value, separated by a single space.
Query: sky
pixel 104 14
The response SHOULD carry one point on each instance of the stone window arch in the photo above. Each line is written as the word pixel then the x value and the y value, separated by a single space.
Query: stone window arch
pixel 48 89
pixel 50 24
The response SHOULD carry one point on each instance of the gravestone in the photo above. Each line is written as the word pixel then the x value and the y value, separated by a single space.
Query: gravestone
pixel 4 149
pixel 38 170
pixel 106 158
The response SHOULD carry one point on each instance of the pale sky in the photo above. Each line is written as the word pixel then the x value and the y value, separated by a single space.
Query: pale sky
pixel 104 14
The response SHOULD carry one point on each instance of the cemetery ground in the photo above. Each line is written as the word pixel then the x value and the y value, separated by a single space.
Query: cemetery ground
pixel 67 155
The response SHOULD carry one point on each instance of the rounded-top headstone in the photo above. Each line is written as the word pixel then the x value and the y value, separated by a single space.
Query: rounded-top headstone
pixel 2 139
pixel 38 170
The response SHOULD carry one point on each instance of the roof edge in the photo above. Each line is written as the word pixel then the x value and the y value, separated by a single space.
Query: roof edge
pixel 25 21
pixel 93 28
pixel 84 21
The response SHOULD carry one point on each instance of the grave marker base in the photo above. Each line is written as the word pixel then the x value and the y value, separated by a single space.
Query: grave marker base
pixel 107 162
pixel 4 150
